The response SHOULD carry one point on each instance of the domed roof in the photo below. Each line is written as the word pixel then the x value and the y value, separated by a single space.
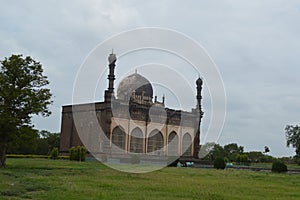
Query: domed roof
pixel 134 83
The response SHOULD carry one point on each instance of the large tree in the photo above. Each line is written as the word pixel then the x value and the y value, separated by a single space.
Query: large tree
pixel 292 134
pixel 232 150
pixel 23 94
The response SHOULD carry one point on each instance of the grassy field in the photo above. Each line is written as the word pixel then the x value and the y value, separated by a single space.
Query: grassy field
pixel 63 179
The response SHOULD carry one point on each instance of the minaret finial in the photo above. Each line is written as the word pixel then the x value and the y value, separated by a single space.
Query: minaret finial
pixel 112 51
pixel 136 71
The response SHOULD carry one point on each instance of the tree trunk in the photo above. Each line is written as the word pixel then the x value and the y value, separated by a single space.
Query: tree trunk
pixel 2 155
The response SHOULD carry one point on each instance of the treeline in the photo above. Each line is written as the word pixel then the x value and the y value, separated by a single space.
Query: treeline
pixel 235 153
pixel 31 141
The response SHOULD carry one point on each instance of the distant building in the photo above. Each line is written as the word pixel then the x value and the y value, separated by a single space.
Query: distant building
pixel 132 121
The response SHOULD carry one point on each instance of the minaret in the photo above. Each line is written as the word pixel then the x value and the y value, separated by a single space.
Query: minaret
pixel 109 93
pixel 199 114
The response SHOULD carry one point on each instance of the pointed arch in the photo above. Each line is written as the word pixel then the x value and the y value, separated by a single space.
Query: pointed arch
pixel 173 144
pixel 136 141
pixel 155 141
pixel 118 137
pixel 186 145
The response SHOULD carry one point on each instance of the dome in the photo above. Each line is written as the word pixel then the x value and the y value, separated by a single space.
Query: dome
pixel 134 83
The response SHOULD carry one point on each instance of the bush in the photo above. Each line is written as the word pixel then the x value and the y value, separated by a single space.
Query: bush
pixel 219 163
pixel 279 167
pixel 25 156
pixel 54 153
pixel 78 153
pixel 298 161
pixel 82 153
pixel 135 159
pixel 33 156
pixel 73 153
pixel 226 160
pixel 242 159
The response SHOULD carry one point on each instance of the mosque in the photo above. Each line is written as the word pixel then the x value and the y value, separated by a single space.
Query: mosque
pixel 132 122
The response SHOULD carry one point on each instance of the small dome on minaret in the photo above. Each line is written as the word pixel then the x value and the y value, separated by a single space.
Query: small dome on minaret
pixel 112 58
pixel 199 81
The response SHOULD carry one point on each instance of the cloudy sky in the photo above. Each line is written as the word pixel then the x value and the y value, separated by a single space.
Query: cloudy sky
pixel 255 45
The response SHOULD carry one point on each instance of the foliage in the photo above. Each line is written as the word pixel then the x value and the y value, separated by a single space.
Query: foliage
pixel 226 160
pixel 218 151
pixel 279 166
pixel 206 152
pixel 232 150
pixel 292 134
pixel 213 151
pixel 259 157
pixel 34 156
pixel 78 153
pixel 30 141
pixel 26 156
pixel 219 163
pixel 242 159
pixel 47 141
pixel 232 153
pixel 23 94
pixel 25 143
pixel 288 160
pixel 73 153
pixel 54 153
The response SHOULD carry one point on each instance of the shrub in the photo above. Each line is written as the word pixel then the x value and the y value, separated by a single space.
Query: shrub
pixel 73 153
pixel 25 156
pixel 78 153
pixel 219 163
pixel 135 159
pixel 226 160
pixel 278 166
pixel 82 153
pixel 54 153
pixel 242 159
pixel 33 156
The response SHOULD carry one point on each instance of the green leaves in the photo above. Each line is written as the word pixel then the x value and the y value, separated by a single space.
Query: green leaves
pixel 22 94
pixel 23 91
pixel 292 134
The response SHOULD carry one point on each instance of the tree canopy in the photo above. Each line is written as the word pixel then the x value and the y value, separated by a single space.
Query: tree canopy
pixel 292 134
pixel 23 94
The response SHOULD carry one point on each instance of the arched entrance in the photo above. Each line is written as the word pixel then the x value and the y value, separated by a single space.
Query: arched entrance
pixel 136 141
pixel 118 137
pixel 173 144
pixel 155 142
pixel 187 145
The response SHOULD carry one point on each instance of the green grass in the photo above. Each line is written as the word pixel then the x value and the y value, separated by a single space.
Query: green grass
pixel 63 179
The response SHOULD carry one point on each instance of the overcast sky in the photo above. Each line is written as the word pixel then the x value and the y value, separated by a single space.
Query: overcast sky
pixel 255 45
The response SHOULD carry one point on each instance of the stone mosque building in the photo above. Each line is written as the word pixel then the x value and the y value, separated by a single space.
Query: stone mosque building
pixel 133 121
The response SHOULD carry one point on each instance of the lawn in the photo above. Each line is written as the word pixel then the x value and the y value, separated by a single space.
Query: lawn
pixel 63 179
